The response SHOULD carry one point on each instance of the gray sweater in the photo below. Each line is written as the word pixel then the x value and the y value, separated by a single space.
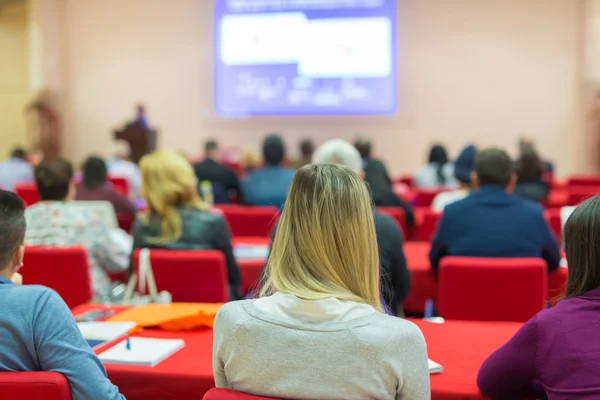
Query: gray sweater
pixel 371 357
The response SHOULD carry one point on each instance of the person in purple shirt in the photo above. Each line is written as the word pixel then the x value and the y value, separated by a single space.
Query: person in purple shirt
pixel 557 353
pixel 15 170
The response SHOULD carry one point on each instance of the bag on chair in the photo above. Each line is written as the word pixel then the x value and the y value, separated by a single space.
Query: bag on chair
pixel 146 278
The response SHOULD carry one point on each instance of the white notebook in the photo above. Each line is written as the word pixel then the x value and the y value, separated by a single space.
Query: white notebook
pixel 145 352
pixel 434 368
pixel 100 333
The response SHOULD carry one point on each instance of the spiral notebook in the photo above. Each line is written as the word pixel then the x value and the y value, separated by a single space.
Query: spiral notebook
pixel 144 352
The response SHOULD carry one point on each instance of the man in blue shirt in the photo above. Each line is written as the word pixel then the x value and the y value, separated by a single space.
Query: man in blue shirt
pixel 15 170
pixel 491 222
pixel 269 186
pixel 37 330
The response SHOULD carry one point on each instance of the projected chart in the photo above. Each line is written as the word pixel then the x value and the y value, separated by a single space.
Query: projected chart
pixel 305 57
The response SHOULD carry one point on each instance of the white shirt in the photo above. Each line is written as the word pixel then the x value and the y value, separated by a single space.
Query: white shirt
pixel 128 170
pixel 443 199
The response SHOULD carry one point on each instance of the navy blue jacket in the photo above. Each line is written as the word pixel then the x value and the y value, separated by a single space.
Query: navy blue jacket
pixel 493 223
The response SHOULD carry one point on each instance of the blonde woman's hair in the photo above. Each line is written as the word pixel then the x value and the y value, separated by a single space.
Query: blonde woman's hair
pixel 168 182
pixel 325 245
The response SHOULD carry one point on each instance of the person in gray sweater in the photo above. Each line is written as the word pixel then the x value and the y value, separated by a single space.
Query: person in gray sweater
pixel 317 330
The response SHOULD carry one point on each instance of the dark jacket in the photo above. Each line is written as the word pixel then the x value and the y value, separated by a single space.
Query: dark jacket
pixel 379 182
pixel 106 193
pixel 493 223
pixel 534 190
pixel 201 230
pixel 210 170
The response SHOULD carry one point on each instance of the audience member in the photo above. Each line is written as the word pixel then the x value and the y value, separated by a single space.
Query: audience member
pixel 95 188
pixel 321 302
pixel 269 186
pixel 553 355
pixel 379 182
pixel 250 160
pixel 222 178
pixel 56 221
pixel 307 149
pixel 526 145
pixel 121 166
pixel 15 170
pixel 530 174
pixel 176 218
pixel 37 329
pixel 463 168
pixel 493 223
pixel 438 173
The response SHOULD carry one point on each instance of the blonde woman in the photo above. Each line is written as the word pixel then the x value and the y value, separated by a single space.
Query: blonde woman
pixel 176 218
pixel 317 330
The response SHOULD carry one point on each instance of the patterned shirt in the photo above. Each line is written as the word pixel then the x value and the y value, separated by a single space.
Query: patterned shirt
pixel 55 223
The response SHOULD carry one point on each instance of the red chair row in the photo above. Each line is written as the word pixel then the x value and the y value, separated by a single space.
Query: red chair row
pixel 34 386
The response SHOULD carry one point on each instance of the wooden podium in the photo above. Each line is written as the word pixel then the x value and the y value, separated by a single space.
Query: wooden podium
pixel 141 140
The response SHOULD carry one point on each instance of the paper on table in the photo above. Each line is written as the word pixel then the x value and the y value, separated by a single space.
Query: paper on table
pixel 104 330
pixel 145 352
pixel 434 368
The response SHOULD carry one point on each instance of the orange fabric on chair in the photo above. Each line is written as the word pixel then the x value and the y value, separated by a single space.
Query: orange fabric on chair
pixel 492 289
pixel 397 214
pixel 203 271
pixel 249 221
pixel 64 269
pixel 425 197
pixel 34 386
pixel 27 191
pixel 224 394
pixel 120 185
pixel 429 225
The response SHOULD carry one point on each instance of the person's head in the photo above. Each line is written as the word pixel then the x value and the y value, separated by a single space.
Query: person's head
pixel 438 155
pixel 465 165
pixel 122 149
pixel 273 150
pixel 19 153
pixel 363 145
pixel 493 167
pixel 94 172
pixel 530 166
pixel 12 235
pixel 140 110
pixel 325 245
pixel 54 179
pixel 307 148
pixel 168 182
pixel 250 160
pixel 581 237
pixel 211 149
pixel 338 151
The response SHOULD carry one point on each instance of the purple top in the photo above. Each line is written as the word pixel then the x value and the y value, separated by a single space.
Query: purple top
pixel 557 351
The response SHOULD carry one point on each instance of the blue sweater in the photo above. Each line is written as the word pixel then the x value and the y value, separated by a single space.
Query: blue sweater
pixel 39 333
pixel 268 186
pixel 493 223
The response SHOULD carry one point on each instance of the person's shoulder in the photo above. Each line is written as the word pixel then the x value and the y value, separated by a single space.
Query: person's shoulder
pixel 384 221
pixel 459 206
pixel 231 314
pixel 34 294
pixel 385 329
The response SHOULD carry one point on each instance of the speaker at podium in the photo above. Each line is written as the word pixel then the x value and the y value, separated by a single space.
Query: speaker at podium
pixel 139 135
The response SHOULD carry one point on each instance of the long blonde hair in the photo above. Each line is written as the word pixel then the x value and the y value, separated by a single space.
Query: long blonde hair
pixel 168 182
pixel 325 245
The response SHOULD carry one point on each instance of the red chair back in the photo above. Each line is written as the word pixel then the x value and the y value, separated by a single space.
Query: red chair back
pixel 120 185
pixel 34 386
pixel 492 289
pixel 225 394
pixel 64 269
pixel 126 222
pixel 552 216
pixel 27 191
pixel 397 214
pixel 584 180
pixel 425 197
pixel 250 221
pixel 577 194
pixel 203 271
pixel 429 225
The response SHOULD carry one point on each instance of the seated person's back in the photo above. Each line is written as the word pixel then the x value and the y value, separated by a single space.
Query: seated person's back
pixel 176 218
pixel 16 169
pixel 37 330
pixel 530 182
pixel 320 304
pixel 437 173
pixel 493 223
pixel 218 174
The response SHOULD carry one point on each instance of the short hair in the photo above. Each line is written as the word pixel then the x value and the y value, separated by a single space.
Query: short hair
pixel 581 236
pixel 12 220
pixel 338 151
pixel 307 148
pixel 211 145
pixel 94 172
pixel 493 167
pixel 53 178
pixel 438 155
pixel 363 145
pixel 531 166
pixel 20 153
pixel 273 150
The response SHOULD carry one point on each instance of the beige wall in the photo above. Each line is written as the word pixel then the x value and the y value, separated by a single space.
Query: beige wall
pixel 472 70
pixel 14 78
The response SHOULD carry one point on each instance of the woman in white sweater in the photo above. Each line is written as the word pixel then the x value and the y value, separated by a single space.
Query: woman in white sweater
pixel 317 331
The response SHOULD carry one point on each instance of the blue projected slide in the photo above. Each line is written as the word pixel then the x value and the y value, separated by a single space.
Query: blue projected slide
pixel 305 57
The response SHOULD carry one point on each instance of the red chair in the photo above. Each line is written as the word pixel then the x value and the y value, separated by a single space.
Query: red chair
pixel 126 222
pixel 429 225
pixel 64 269
pixel 204 271
pixel 552 216
pixel 27 191
pixel 397 214
pixel 577 194
pixel 492 289
pixel 225 394
pixel 120 185
pixel 406 179
pixel 250 221
pixel 425 197
pixel 34 386
pixel 584 180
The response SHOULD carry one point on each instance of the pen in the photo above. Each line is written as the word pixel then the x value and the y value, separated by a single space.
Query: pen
pixel 128 344
pixel 428 309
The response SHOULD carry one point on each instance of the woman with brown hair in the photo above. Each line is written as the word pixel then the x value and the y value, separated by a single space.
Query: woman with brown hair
pixel 557 351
